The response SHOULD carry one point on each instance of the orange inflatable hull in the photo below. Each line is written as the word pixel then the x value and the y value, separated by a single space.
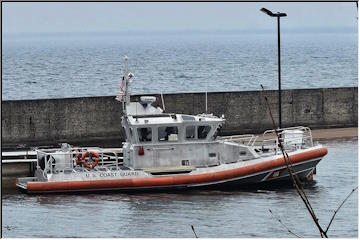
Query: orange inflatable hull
pixel 175 180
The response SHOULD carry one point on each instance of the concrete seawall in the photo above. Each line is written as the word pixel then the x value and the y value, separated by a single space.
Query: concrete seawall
pixel 97 119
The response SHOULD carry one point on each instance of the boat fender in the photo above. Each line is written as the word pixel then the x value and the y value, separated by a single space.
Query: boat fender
pixel 90 155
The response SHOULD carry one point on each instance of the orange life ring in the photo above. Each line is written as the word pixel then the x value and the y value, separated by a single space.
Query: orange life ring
pixel 91 154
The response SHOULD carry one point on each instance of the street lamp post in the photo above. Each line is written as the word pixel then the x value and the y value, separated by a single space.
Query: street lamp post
pixel 278 15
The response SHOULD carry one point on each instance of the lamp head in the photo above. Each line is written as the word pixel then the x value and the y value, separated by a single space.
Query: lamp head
pixel 268 12
pixel 271 14
pixel 281 14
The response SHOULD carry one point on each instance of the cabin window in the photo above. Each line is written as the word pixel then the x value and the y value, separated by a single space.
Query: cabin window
pixel 190 132
pixel 131 133
pixel 144 134
pixel 131 136
pixel 167 134
pixel 188 118
pixel 203 131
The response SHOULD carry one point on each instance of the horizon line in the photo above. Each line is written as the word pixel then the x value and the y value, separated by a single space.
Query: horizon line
pixel 190 31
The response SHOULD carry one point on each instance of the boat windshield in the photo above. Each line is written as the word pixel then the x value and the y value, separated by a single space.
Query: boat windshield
pixel 167 133
pixel 203 131
pixel 144 134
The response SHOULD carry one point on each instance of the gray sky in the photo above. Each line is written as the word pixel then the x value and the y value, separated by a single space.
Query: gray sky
pixel 118 17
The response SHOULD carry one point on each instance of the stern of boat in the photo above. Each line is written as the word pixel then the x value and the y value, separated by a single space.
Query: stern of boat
pixel 22 183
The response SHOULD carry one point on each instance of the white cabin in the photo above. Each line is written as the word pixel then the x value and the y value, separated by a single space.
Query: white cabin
pixel 156 139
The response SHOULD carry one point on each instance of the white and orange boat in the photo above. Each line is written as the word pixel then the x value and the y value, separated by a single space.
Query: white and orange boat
pixel 173 151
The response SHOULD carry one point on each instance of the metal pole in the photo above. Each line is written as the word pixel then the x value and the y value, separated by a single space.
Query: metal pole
pixel 206 102
pixel 279 70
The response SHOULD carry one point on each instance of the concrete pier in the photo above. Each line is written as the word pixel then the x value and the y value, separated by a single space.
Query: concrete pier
pixel 96 120
pixel 13 170
pixel 334 133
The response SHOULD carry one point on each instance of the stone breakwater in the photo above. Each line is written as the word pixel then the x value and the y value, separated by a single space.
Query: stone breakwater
pixel 97 120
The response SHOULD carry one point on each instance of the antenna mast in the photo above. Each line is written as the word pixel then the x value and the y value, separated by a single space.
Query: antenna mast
pixel 126 79
pixel 206 96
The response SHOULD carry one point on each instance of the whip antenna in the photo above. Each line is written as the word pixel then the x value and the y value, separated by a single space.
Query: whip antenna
pixel 206 96
pixel 162 100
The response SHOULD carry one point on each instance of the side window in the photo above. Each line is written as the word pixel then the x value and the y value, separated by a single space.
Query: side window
pixel 144 134
pixel 131 135
pixel 203 131
pixel 190 132
pixel 168 134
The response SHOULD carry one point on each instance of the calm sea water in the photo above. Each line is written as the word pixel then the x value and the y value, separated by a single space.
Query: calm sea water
pixel 213 213
pixel 91 65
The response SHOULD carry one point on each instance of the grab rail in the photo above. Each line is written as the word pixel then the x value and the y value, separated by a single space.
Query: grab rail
pixel 296 140
pixel 64 159
pixel 246 139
